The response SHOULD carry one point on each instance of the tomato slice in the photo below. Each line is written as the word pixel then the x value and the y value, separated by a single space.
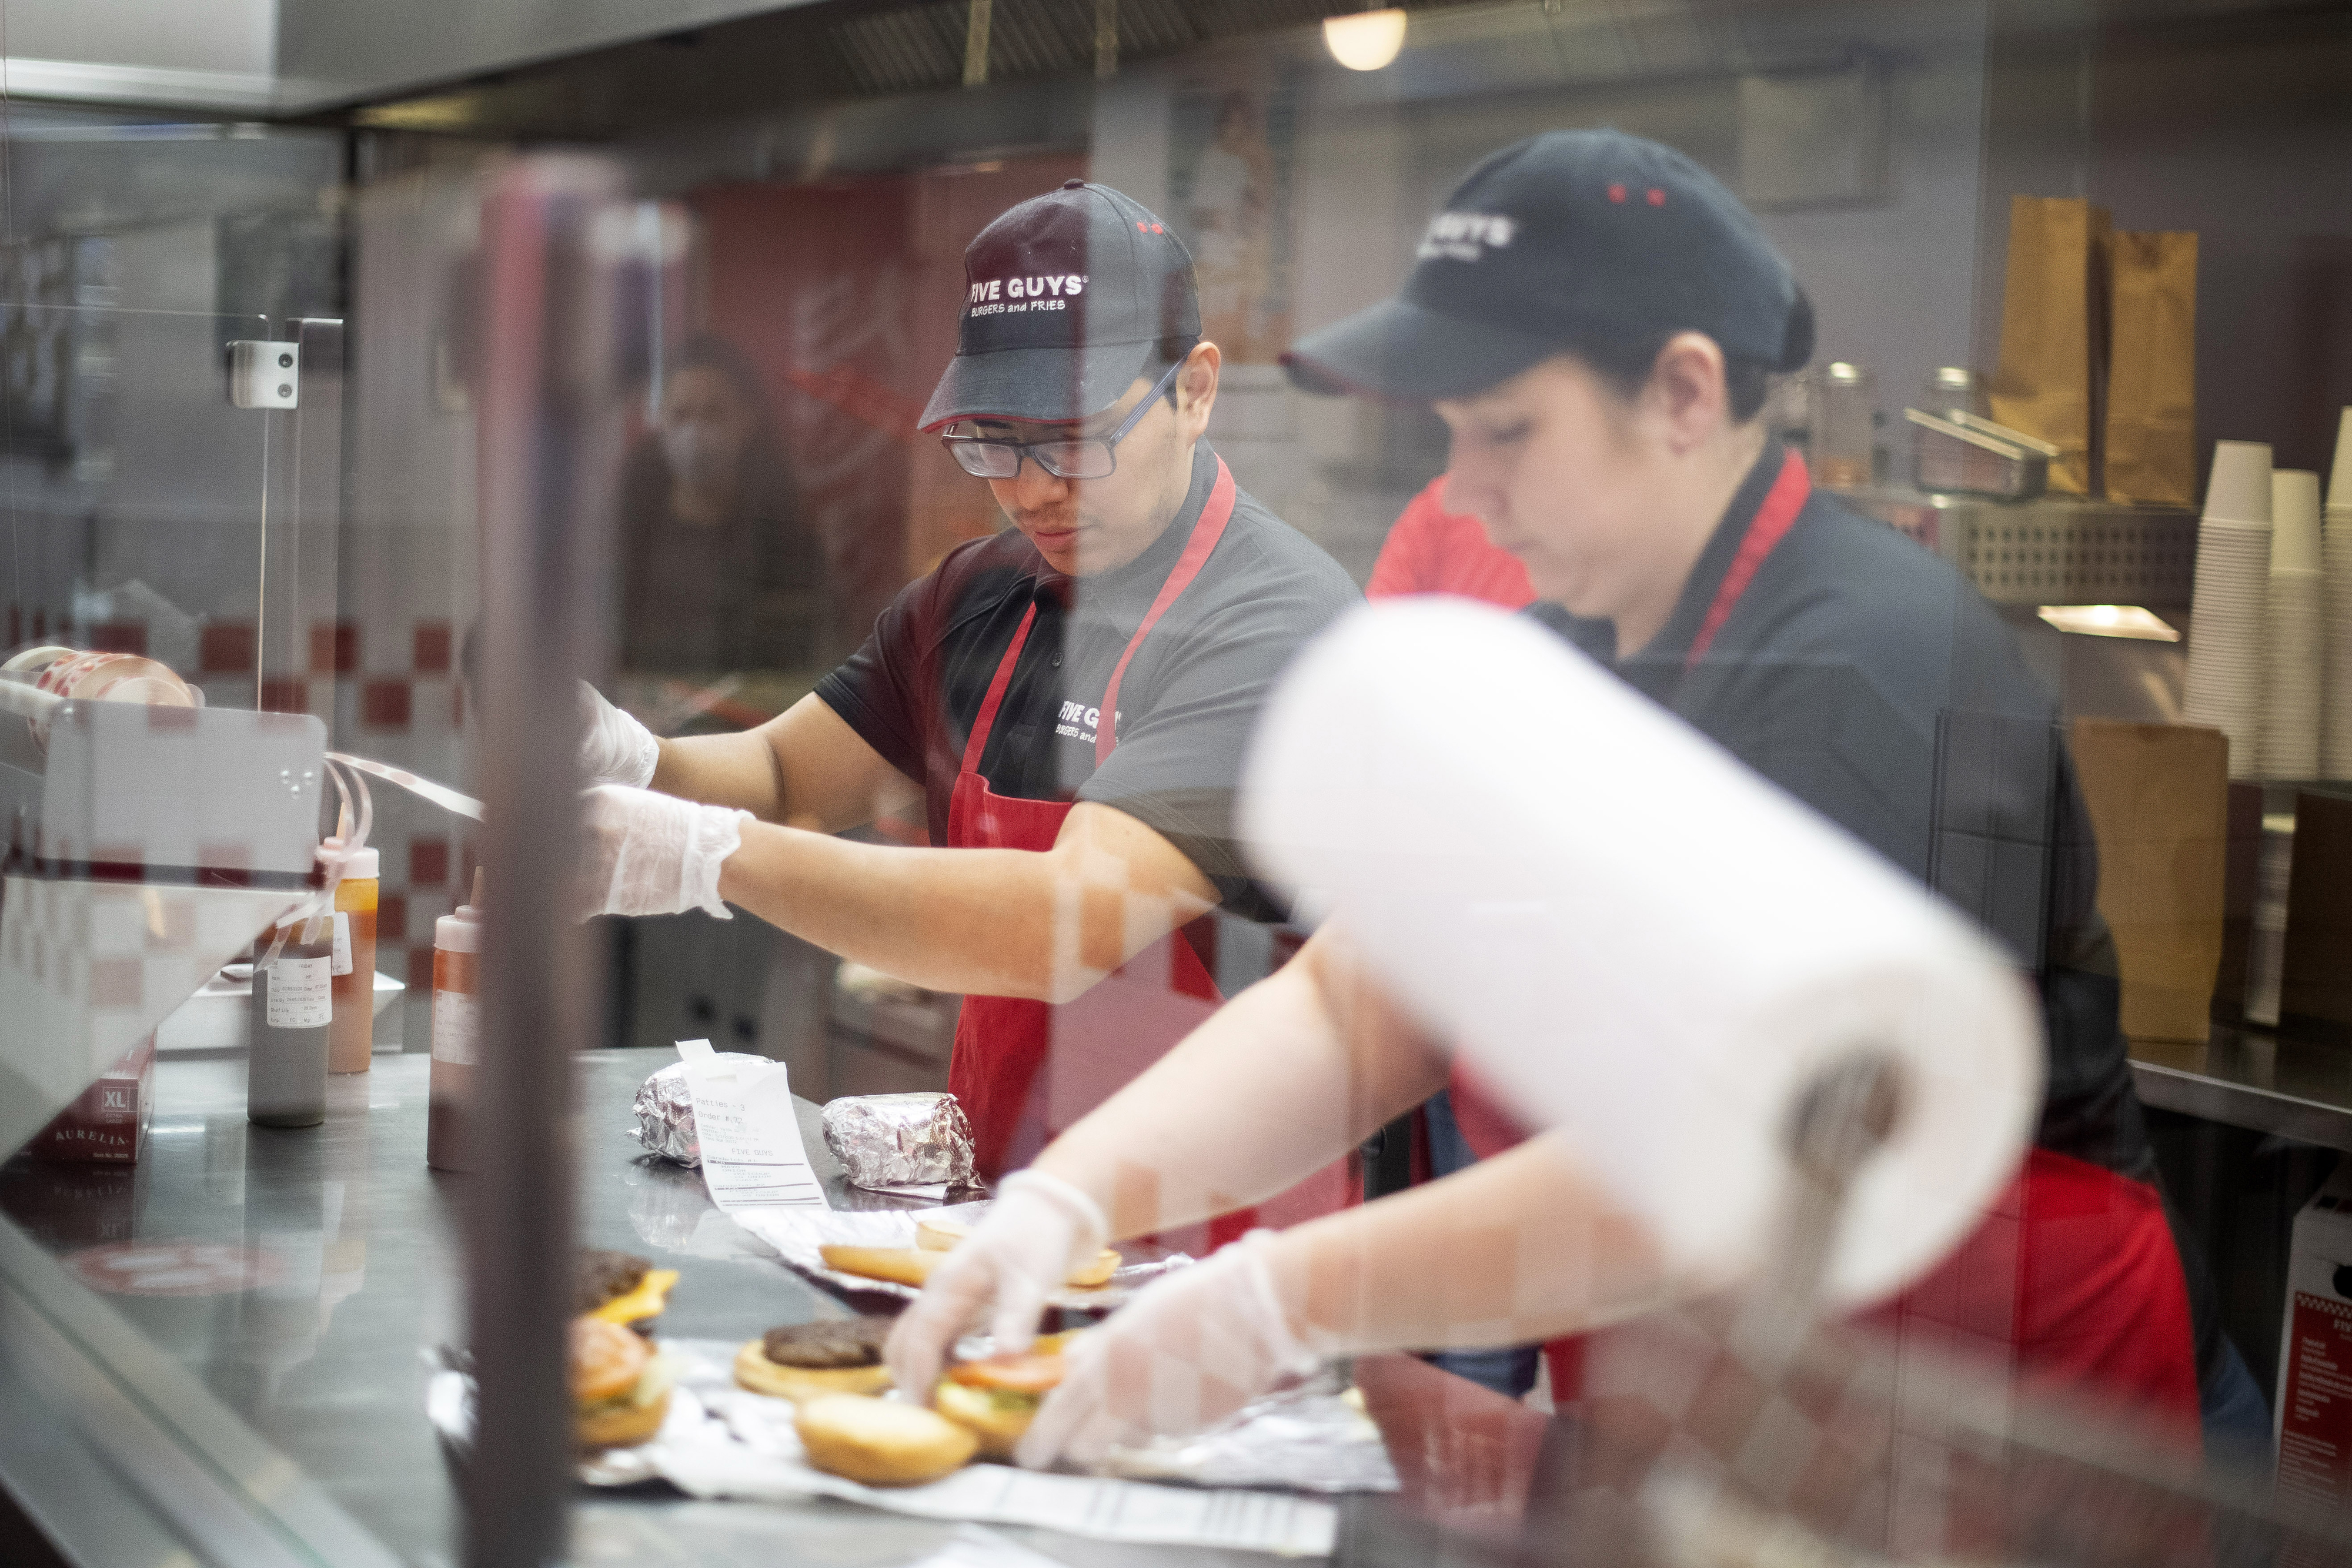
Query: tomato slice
pixel 1014 1374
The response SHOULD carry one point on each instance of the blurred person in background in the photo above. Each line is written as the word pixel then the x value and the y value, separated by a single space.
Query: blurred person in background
pixel 1068 699
pixel 719 569
pixel 1596 319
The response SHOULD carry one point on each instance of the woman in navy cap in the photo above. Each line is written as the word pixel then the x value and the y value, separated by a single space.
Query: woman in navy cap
pixel 1596 319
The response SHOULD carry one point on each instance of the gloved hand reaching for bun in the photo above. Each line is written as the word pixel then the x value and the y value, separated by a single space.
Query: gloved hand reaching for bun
pixel 1190 1350
pixel 644 854
pixel 1037 1231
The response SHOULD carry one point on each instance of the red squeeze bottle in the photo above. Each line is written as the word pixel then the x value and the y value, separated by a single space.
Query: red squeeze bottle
pixel 457 1033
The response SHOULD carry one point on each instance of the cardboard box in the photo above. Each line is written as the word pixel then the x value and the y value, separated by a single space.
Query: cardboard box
pixel 108 1123
pixel 2314 1421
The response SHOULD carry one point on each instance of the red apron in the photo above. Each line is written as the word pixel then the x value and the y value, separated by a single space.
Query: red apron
pixel 1024 1071
pixel 2073 1277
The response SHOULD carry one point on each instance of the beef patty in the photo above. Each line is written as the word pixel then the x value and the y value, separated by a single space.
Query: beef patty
pixel 836 1342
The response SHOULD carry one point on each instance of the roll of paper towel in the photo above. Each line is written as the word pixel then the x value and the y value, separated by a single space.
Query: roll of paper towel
pixel 1635 939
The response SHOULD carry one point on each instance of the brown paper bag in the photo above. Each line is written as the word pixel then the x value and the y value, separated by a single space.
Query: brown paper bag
pixel 2054 324
pixel 2151 425
pixel 2158 796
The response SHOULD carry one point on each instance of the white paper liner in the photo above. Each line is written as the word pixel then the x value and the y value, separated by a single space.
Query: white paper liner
pixel 798 1234
pixel 722 1442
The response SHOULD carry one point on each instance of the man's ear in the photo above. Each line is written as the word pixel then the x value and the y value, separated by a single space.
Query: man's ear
pixel 1686 389
pixel 1196 390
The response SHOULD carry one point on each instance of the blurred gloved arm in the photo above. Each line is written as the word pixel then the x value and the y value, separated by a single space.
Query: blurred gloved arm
pixel 1286 1077
pixel 1277 1083
pixel 806 767
pixel 614 749
pixel 644 854
pixel 1520 1248
pixel 1041 924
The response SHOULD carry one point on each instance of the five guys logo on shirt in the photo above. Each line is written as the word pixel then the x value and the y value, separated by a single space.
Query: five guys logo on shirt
pixel 998 296
pixel 1076 721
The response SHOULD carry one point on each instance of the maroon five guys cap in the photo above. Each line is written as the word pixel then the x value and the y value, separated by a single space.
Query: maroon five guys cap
pixel 1065 297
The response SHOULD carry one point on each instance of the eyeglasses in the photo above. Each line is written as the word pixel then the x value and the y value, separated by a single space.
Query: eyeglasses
pixel 986 457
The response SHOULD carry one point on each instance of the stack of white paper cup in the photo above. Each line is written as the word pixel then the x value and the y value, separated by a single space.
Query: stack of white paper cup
pixel 2290 737
pixel 2335 615
pixel 2233 594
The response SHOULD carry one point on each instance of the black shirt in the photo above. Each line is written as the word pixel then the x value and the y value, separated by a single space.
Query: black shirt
pixel 1186 703
pixel 1866 677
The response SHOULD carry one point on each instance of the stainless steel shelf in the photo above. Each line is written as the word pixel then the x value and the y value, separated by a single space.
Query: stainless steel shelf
pixel 2053 549
pixel 2245 1078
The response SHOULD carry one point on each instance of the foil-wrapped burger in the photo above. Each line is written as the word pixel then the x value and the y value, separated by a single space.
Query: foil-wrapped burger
pixel 665 1109
pixel 900 1140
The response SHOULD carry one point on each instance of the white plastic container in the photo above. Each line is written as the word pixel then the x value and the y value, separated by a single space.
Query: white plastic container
pixel 457 1033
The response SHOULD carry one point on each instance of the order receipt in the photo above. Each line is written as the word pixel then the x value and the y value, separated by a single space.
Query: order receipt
pixel 752 1157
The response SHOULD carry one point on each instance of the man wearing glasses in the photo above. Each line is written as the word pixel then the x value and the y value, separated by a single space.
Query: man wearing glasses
pixel 1070 697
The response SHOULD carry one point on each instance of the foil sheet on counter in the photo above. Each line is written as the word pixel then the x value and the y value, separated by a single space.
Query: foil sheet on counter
pixel 891 1142
pixel 665 1111
pixel 1311 1438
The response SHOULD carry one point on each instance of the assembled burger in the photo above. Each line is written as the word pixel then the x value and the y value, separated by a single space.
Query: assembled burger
pixel 997 1398
pixel 620 1385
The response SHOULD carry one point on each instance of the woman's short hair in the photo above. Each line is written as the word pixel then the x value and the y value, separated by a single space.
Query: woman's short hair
pixel 1626 363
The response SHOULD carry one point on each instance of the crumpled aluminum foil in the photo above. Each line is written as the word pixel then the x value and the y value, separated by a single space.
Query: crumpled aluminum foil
pixel 899 1140
pixel 1310 1439
pixel 665 1110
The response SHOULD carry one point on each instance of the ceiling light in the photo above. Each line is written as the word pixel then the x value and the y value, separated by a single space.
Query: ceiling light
pixel 1365 41
pixel 2109 621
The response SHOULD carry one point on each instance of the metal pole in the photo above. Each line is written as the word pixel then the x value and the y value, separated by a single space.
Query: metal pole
pixel 549 399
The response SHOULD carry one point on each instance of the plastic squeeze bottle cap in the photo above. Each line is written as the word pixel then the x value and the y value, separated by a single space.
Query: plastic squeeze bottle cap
pixel 461 930
pixel 365 865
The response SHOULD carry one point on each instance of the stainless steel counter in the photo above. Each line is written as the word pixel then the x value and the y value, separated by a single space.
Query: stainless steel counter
pixel 316 1267
pixel 2248 1078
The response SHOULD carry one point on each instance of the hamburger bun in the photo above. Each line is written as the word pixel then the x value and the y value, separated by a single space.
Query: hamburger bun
pixel 620 1386
pixel 1097 1272
pixel 996 1425
pixel 881 1442
pixel 900 1265
pixel 755 1372
pixel 807 1361
pixel 940 1235
pixel 623 1425
pixel 913 1265
pixel 606 1360
pixel 997 1398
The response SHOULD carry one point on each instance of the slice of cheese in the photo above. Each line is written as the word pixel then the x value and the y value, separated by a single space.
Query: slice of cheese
pixel 647 1300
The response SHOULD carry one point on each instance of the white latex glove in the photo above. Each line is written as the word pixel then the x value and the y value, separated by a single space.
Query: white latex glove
pixel 614 749
pixel 1039 1227
pixel 1190 1350
pixel 643 854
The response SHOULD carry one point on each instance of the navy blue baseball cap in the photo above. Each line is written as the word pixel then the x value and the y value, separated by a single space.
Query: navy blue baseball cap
pixel 1065 298
pixel 1570 237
